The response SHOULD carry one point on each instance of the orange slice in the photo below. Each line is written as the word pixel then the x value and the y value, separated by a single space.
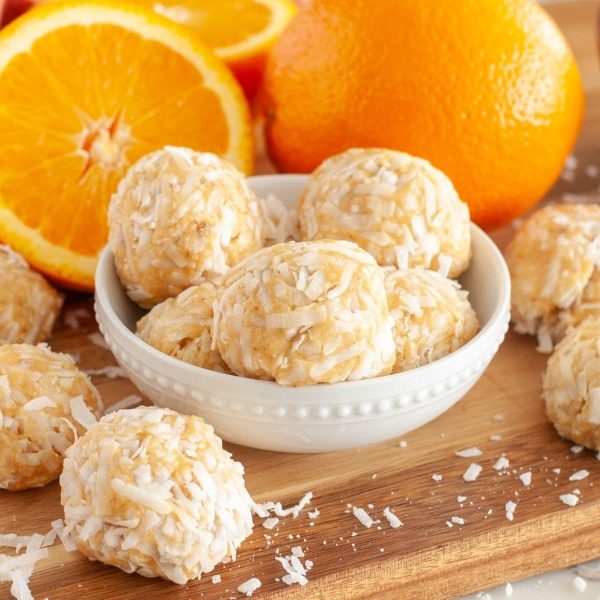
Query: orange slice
pixel 241 32
pixel 85 90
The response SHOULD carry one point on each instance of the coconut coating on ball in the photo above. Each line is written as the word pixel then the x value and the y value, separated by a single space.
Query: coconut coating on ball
pixel 45 403
pixel 571 385
pixel 179 218
pixel 181 327
pixel 29 305
pixel 432 316
pixel 553 261
pixel 302 313
pixel 399 208
pixel 151 491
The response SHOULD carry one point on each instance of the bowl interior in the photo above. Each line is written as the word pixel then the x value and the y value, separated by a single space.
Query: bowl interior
pixel 484 279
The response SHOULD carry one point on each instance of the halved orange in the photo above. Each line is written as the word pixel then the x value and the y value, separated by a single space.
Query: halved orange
pixel 241 32
pixel 86 88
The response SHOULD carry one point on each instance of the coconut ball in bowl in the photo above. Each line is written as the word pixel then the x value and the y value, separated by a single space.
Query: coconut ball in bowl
pixel 181 327
pixel 397 207
pixel 151 491
pixel 178 218
pixel 302 313
pixel 432 316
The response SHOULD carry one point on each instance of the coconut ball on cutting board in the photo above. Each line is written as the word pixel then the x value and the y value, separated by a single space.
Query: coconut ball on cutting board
pixel 29 305
pixel 152 491
pixel 399 208
pixel 302 313
pixel 553 261
pixel 45 403
pixel 181 327
pixel 571 385
pixel 178 218
pixel 432 316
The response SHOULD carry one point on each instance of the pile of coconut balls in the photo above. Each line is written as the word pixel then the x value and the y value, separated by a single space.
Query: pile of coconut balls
pixel 358 282
pixel 554 261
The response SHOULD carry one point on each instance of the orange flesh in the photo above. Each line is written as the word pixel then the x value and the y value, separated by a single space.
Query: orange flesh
pixel 221 23
pixel 63 157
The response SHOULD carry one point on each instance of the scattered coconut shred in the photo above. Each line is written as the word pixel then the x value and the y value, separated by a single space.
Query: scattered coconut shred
pixel 98 340
pixel 18 568
pixel 362 516
pixel 579 475
pixel 569 499
pixel 295 570
pixel 250 586
pixel 510 508
pixel 265 510
pixel 127 402
pixel 111 371
pixel 469 452
pixel 392 519
pixel 472 472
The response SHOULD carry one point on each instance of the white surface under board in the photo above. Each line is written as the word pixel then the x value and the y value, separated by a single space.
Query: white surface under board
pixel 552 586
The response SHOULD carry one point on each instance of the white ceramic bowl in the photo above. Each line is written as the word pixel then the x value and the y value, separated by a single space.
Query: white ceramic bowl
pixel 319 418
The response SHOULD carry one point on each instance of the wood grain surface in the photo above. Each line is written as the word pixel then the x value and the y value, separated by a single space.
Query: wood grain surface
pixel 424 558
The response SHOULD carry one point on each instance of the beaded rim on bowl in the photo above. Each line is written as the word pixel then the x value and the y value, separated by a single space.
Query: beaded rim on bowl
pixel 331 411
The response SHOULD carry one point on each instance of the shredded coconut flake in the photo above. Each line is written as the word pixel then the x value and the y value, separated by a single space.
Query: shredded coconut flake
pixel 469 452
pixel 525 478
pixel 392 519
pixel 569 499
pixel 437 477
pixel 264 510
pixel 215 579
pixel 97 339
pixel 510 507
pixel 501 464
pixel 458 520
pixel 111 371
pixel 472 472
pixel 127 402
pixel 576 449
pixel 64 535
pixel 81 413
pixel 270 523
pixel 39 403
pixel 362 516
pixel 249 587
pixel 579 475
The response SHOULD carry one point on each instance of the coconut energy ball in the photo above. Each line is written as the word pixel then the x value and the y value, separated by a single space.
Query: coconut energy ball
pixel 178 218
pixel 181 327
pixel 29 305
pixel 399 208
pixel 152 491
pixel 302 313
pixel 553 261
pixel 432 316
pixel 571 385
pixel 45 403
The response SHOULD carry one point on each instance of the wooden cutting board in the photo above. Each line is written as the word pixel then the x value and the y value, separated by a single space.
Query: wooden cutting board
pixel 424 558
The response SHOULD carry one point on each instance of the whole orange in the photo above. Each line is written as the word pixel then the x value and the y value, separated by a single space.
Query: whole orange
pixel 487 90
